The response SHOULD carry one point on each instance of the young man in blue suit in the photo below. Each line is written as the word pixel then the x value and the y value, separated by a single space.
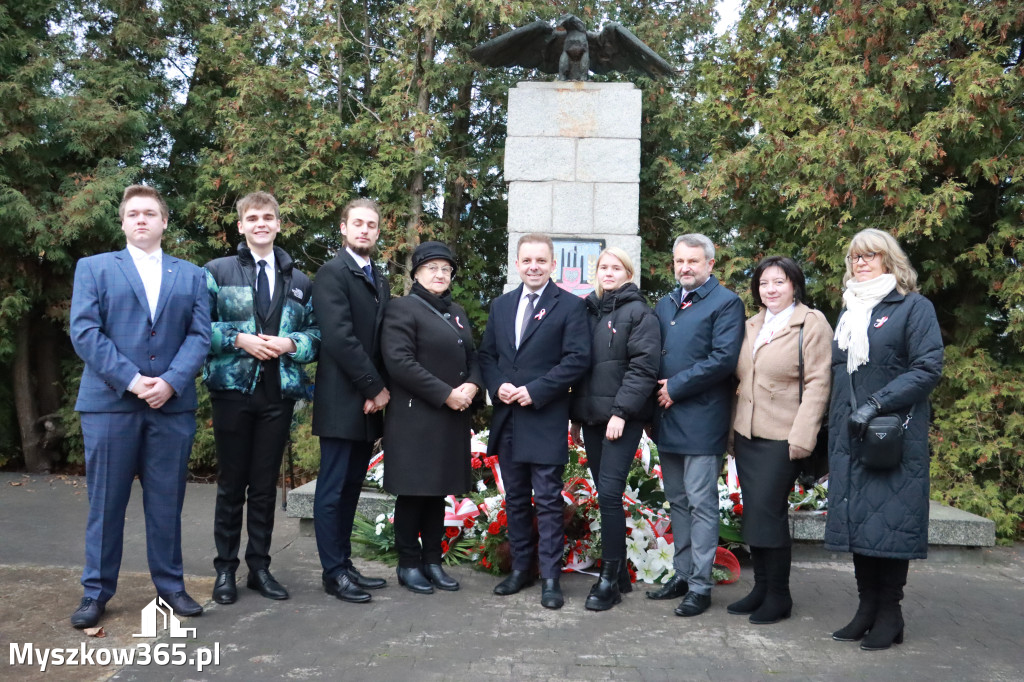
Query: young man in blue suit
pixel 537 344
pixel 140 320
pixel 701 331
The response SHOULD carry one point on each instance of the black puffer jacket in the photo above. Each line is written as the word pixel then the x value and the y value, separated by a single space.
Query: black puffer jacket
pixel 885 513
pixel 625 356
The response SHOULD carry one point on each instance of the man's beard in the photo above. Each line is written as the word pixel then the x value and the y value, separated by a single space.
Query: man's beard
pixel 358 250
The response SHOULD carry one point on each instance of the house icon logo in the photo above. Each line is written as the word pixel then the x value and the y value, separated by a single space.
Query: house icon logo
pixel 158 615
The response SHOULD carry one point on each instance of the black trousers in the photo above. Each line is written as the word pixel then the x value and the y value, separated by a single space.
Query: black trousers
pixel 250 433
pixel 418 517
pixel 544 483
pixel 609 462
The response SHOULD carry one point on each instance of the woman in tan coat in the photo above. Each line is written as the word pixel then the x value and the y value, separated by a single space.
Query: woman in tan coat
pixel 775 423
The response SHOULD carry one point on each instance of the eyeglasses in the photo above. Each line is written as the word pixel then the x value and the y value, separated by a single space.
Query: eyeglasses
pixel 445 270
pixel 866 257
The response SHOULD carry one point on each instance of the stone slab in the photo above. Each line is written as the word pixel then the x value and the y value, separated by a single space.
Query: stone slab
pixel 572 208
pixel 539 159
pixel 616 208
pixel 574 109
pixel 300 505
pixel 607 160
pixel 946 527
pixel 529 206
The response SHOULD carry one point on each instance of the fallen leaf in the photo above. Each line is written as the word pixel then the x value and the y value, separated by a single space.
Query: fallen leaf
pixel 95 632
pixel 16 483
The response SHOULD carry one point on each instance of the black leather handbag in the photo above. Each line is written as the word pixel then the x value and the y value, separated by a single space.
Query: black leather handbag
pixel 882 445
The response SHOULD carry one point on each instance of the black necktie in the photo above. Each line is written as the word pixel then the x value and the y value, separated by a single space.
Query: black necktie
pixel 527 314
pixel 368 269
pixel 263 290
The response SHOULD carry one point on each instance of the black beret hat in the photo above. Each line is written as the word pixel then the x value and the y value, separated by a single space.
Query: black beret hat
pixel 428 251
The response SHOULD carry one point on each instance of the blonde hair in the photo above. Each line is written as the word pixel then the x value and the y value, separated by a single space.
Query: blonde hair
pixel 622 256
pixel 535 238
pixel 894 259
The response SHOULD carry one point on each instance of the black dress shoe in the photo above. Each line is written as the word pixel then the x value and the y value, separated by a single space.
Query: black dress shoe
pixel 516 581
pixel 442 581
pixel 182 604
pixel 224 591
pixel 341 586
pixel 551 594
pixel 413 580
pixel 88 613
pixel 693 604
pixel 266 584
pixel 675 588
pixel 360 580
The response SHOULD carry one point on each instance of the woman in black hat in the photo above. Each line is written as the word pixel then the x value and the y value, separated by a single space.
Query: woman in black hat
pixel 428 350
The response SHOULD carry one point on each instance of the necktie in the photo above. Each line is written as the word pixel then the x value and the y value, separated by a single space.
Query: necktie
pixel 262 290
pixel 531 299
pixel 368 269
pixel 686 299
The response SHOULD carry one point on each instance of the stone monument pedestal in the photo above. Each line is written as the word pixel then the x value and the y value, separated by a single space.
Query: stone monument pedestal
pixel 572 161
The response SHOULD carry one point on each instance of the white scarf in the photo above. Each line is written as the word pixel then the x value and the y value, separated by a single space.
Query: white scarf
pixel 773 324
pixel 860 298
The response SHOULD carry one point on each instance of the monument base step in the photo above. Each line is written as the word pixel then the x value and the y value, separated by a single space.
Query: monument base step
pixel 300 505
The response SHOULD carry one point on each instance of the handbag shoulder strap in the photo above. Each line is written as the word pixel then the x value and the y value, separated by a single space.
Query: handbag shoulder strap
pixel 447 320
pixel 800 355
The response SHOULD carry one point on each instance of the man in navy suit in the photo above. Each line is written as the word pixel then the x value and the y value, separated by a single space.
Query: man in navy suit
pixel 140 320
pixel 537 344
pixel 702 331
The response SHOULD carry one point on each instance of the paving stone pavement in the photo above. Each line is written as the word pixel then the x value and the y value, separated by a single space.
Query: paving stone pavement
pixel 965 620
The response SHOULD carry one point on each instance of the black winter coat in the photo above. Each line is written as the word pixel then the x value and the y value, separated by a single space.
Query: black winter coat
pixel 349 309
pixel 624 359
pixel 873 512
pixel 426 443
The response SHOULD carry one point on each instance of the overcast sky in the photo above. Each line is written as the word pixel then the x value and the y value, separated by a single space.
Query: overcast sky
pixel 728 13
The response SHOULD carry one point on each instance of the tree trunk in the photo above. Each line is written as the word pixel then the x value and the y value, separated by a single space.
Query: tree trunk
pixel 424 57
pixel 25 401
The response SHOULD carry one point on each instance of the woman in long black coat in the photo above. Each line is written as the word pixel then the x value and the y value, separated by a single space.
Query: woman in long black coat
pixel 428 350
pixel 612 404
pixel 888 350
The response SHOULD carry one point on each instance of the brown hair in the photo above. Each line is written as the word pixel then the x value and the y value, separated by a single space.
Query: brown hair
pixel 535 238
pixel 132 191
pixel 361 202
pixel 257 200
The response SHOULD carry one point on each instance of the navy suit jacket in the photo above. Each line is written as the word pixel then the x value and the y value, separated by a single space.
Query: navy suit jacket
pixel 112 332
pixel 700 348
pixel 553 355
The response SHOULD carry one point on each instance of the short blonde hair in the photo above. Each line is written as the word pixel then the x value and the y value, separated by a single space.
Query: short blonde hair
pixel 535 238
pixel 894 259
pixel 623 257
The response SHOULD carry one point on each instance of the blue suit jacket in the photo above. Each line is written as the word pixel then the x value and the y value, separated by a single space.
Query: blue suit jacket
pixel 553 355
pixel 112 332
pixel 700 348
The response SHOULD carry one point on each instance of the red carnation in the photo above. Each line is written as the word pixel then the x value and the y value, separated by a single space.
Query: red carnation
pixel 444 547
pixel 451 531
pixel 737 509
pixel 583 460
pixel 639 454
pixel 468 523
pixel 502 517
pixel 494 528
pixel 476 463
pixel 735 497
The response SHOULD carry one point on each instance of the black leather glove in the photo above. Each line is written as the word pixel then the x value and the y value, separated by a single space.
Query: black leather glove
pixel 859 420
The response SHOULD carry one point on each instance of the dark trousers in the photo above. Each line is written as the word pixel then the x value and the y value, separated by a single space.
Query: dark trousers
pixel 544 481
pixel 609 462
pixel 418 517
pixel 251 432
pixel 342 470
pixel 118 446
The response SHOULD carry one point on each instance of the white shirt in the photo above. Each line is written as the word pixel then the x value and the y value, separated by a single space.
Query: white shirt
pixel 150 268
pixel 773 324
pixel 270 269
pixel 522 308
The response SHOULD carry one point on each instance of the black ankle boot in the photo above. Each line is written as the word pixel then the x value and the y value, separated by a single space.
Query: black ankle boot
pixel 867 609
pixel 625 581
pixel 778 603
pixel 752 601
pixel 606 593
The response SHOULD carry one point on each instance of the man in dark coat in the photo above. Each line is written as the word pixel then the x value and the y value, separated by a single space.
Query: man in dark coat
pixel 349 296
pixel 537 344
pixel 702 332
pixel 263 330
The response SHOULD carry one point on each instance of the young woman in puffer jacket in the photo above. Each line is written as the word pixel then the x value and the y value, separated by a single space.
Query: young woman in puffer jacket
pixel 612 404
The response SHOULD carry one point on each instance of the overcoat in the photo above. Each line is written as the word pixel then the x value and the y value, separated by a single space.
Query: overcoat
pixel 426 443
pixel 349 309
pixel 885 513
pixel 625 355
pixel 700 344
pixel 552 355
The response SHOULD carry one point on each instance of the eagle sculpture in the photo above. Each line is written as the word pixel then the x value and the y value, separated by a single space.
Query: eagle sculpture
pixel 569 50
